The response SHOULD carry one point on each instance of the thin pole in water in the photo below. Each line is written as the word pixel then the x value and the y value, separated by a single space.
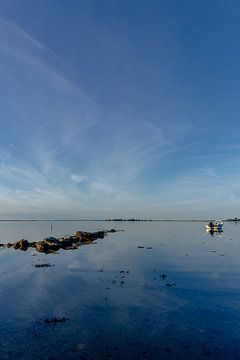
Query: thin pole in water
pixel 51 227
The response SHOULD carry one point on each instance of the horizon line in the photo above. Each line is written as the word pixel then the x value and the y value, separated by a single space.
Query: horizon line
pixel 114 220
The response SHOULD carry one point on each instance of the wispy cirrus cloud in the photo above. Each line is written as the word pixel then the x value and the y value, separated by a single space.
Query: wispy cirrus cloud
pixel 62 156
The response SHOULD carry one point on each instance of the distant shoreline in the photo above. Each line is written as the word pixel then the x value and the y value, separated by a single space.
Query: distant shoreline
pixel 109 220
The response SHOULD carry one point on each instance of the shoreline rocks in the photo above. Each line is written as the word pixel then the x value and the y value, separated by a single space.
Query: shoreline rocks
pixel 52 244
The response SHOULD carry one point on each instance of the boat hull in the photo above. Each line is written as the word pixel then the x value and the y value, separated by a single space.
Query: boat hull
pixel 214 228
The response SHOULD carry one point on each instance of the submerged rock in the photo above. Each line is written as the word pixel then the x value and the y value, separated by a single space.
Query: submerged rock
pixel 43 265
pixel 163 276
pixel 56 320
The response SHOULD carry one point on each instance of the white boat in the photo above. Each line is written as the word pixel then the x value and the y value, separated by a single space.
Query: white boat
pixel 215 225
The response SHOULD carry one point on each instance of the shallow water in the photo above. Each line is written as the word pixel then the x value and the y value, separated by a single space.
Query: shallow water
pixel 112 292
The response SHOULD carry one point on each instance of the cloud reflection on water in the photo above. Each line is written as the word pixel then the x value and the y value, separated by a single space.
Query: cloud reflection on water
pixel 86 286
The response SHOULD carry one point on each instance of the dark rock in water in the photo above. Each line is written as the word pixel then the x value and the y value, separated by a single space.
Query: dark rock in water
pixel 66 243
pixel 170 285
pixel 112 231
pixel 43 265
pixel 21 245
pixel 47 248
pixel 56 320
pixel 87 236
pixel 51 241
pixel 163 276
pixel 99 234
pixel 80 235
pixel 51 244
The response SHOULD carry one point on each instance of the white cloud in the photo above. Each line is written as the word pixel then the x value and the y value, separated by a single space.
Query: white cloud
pixel 78 178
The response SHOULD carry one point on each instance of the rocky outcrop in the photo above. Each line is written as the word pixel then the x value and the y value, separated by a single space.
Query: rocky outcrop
pixel 52 244
pixel 21 245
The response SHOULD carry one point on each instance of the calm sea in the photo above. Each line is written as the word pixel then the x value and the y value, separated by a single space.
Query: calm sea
pixel 113 296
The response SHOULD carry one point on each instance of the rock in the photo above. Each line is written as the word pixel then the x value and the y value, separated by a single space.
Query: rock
pixel 67 243
pixel 43 265
pixel 47 245
pixel 170 285
pixel 21 245
pixel 56 320
pixel 51 244
pixel 42 246
pixel 79 235
pixel 99 235
pixel 84 236
pixel 51 241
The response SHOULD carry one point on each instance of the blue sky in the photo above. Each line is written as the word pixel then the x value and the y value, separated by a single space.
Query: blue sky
pixel 119 109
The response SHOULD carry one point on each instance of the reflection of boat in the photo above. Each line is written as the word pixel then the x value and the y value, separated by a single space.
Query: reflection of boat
pixel 214 232
pixel 215 226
